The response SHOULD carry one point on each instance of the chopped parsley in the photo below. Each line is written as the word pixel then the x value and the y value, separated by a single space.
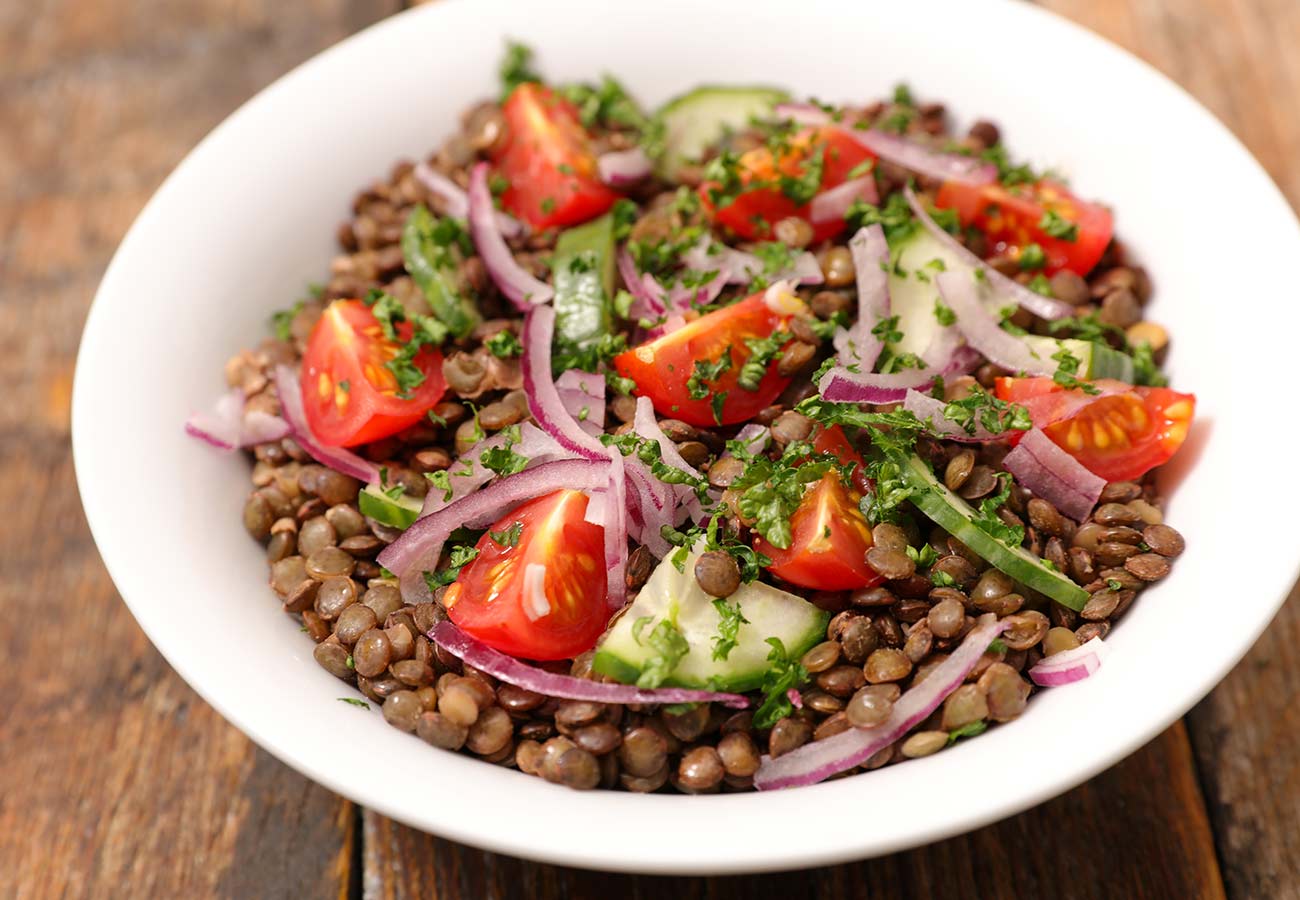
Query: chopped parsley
pixel 769 491
pixel 502 459
pixel 1032 258
pixel 803 187
pixel 1039 284
pixel 1008 173
pixel 730 618
pixel 895 217
pixel 426 331
pixel 1114 584
pixel 943 314
pixel 508 537
pixel 776 258
pixel 697 386
pixel 624 214
pixel 442 481
pixel 666 641
pixel 516 68
pixel 282 321
pixel 925 557
pixel 504 344
pixel 1057 226
pixel 607 104
pixel 354 702
pixel 460 556
pixel 1066 373
pixel 983 410
pixel 783 675
pixel 762 353
pixel 650 453
pixel 723 173
pixel 942 579
pixel 748 560
pixel 591 357
pixel 1145 370
pixel 988 521
pixel 887 330
pixel 431 251
pixel 716 404
pixel 969 730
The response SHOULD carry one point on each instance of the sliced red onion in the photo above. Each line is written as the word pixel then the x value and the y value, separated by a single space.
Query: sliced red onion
pixel 419 547
pixel 1054 475
pixel 795 698
pixel 289 390
pixel 457 201
pixel 616 531
pixel 468 473
pixel 651 506
pixel 833 205
pixel 821 759
pixel 544 400
pixel 930 411
pixel 858 346
pixel 646 425
pixel 227 426
pixel 583 396
pixel 803 114
pixel 740 267
pixel 649 298
pixel 623 167
pixel 842 386
pixel 519 286
pixel 754 438
pixel 897 149
pixel 505 668
pixel 1012 290
pixel 983 331
pixel 681 298
pixel 221 425
pixel 1069 666
pixel 924 160
pixel 596 508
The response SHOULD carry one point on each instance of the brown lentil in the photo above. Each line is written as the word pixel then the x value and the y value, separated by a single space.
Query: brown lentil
pixel 717 573
pixel 923 743
pixel 887 664
pixel 1163 540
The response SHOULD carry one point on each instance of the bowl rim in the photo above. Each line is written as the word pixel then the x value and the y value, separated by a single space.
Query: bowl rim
pixel 629 858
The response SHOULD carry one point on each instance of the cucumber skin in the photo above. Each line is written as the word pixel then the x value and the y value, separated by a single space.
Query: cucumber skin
pixel 386 510
pixel 929 498
pixel 608 663
pixel 583 300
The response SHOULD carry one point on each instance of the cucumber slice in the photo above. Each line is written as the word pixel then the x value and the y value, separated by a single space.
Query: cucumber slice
pixel 956 516
pixel 692 122
pixel 583 267
pixel 770 612
pixel 433 269
pixel 913 292
pixel 1096 360
pixel 395 512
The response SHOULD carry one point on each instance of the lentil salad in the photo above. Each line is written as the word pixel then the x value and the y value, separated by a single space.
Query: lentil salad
pixel 745 323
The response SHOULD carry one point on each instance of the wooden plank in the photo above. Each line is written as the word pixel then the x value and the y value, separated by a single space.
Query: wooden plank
pixel 1139 830
pixel 118 780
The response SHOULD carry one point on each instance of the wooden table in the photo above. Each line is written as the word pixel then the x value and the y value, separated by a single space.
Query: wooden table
pixel 117 780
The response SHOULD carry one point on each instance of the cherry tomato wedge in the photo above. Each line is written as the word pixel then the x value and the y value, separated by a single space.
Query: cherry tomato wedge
pixel 833 440
pixel 753 213
pixel 1072 233
pixel 537 588
pixel 349 395
pixel 665 369
pixel 1118 437
pixel 548 162
pixel 830 541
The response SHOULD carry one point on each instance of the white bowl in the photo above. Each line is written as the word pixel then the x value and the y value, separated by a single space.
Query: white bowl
pixel 248 219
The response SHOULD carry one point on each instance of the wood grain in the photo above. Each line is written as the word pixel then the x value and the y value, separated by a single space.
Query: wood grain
pixel 1139 830
pixel 117 779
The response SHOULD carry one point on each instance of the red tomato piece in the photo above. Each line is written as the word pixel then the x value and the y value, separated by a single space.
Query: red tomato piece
pixel 548 161
pixel 1118 437
pixel 829 543
pixel 833 440
pixel 537 589
pixel 665 368
pixel 1012 218
pixel 350 397
pixel 753 213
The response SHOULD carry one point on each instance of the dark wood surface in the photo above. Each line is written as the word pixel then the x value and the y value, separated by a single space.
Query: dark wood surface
pixel 117 780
